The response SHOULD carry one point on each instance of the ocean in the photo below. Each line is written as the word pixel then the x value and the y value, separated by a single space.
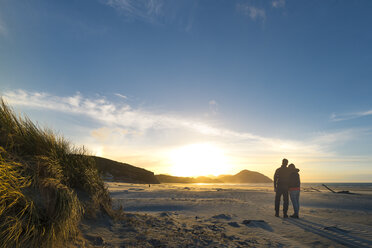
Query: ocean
pixel 359 188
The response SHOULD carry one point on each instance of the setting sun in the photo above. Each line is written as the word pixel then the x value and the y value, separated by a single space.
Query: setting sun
pixel 198 160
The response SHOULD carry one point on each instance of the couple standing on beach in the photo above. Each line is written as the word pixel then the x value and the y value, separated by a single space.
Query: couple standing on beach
pixel 287 180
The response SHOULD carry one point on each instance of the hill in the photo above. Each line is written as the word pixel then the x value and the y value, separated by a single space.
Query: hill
pixel 245 176
pixel 117 171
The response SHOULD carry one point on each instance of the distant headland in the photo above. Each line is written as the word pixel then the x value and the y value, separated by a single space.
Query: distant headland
pixel 245 176
pixel 116 171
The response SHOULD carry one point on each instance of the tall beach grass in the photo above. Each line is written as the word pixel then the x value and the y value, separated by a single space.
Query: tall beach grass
pixel 46 185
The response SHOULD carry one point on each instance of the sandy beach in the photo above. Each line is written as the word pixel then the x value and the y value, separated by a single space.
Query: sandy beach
pixel 168 124
pixel 175 215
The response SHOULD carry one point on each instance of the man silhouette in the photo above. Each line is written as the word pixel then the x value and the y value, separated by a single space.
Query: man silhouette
pixel 281 181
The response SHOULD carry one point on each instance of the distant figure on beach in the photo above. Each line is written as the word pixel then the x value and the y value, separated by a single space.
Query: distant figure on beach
pixel 281 178
pixel 294 189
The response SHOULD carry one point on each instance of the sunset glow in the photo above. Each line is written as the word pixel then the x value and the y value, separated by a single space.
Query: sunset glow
pixel 197 88
pixel 198 160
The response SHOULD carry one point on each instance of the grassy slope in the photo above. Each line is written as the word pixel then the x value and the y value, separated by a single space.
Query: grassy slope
pixel 46 185
pixel 124 172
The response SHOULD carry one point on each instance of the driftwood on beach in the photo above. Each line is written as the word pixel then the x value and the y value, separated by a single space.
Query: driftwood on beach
pixel 310 189
pixel 338 192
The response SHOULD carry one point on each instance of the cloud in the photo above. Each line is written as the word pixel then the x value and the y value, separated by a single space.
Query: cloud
pixel 350 116
pixel 104 134
pixel 337 136
pixel 120 120
pixel 109 113
pixel 253 12
pixel 213 102
pixel 178 14
pixel 278 3
pixel 213 107
pixel 141 137
pixel 3 29
pixel 190 23
pixel 121 96
pixel 147 10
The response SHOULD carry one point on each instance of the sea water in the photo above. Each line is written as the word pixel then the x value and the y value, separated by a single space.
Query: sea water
pixel 365 188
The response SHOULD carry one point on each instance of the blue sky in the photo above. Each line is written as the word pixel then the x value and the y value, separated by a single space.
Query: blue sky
pixel 254 80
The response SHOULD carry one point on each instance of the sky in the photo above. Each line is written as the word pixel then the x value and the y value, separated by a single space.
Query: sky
pixel 194 88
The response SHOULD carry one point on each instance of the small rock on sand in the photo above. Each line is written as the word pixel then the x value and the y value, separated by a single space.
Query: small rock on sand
pixel 247 222
pixel 222 216
pixel 163 214
pixel 156 243
pixel 258 224
pixel 96 240
pixel 234 224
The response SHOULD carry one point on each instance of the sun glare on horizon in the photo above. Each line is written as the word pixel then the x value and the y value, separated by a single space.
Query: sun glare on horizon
pixel 198 160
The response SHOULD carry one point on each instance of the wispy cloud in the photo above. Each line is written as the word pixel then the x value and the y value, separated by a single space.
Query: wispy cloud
pixel 213 106
pixel 121 96
pixel 336 136
pixel 124 120
pixel 147 10
pixel 213 102
pixel 157 12
pixel 253 12
pixel 122 115
pixel 350 116
pixel 3 29
pixel 278 3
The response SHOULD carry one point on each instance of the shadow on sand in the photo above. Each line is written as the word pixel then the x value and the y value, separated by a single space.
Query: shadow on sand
pixel 333 233
pixel 155 208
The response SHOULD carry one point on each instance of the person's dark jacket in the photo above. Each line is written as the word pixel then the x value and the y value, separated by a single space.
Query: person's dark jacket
pixel 281 178
pixel 294 179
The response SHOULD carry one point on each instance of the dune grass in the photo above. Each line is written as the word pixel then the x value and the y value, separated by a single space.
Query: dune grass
pixel 46 185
